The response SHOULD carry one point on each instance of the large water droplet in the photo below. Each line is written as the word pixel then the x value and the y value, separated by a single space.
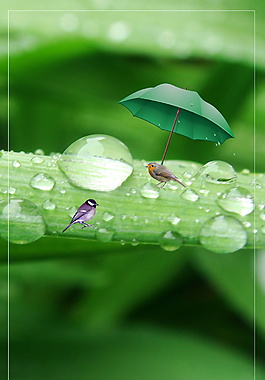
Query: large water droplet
pixel 105 234
pixel 223 234
pixel 149 191
pixel 190 195
pixel 170 241
pixel 25 221
pixel 238 200
pixel 42 181
pixel 217 172
pixel 97 162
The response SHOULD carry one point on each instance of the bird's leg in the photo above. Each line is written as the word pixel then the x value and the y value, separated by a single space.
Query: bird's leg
pixel 86 225
pixel 162 186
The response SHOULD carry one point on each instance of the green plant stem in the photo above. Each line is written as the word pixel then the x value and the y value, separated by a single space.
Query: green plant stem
pixel 123 214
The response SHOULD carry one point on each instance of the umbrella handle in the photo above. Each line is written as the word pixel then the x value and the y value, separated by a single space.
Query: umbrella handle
pixel 170 136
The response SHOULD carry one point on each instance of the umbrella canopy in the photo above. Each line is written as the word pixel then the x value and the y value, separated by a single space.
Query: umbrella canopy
pixel 161 106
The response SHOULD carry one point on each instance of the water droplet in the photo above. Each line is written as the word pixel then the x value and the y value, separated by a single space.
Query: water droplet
pixel 238 200
pixel 261 206
pixel 135 242
pixel 16 164
pixel 62 191
pixel 223 234
pixel 262 215
pixel 97 162
pixel 191 104
pixel 39 151
pixel 170 241
pixel 133 191
pixel 149 191
pixel 190 195
pixel 205 192
pixel 12 190
pixel 246 224
pixel 245 171
pixel 118 31
pixel 217 172
pixel 105 234
pixel 173 219
pixel 25 221
pixel 48 205
pixel 37 160
pixel 122 242
pixel 134 218
pixel 107 216
pixel 42 181
pixel 72 211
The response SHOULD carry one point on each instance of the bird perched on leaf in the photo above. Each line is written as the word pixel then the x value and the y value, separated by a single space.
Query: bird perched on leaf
pixel 162 174
pixel 85 212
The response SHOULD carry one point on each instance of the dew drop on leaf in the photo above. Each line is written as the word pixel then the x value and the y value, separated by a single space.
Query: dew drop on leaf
pixel 223 234
pixel 97 162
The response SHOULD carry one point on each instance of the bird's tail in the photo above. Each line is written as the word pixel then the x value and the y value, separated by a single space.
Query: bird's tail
pixel 177 180
pixel 69 225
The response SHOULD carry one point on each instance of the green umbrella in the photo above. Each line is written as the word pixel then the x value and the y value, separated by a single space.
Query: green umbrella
pixel 178 110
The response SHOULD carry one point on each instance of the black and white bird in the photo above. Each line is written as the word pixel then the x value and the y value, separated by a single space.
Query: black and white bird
pixel 85 212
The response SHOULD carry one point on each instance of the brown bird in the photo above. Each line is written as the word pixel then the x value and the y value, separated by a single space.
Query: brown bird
pixel 162 174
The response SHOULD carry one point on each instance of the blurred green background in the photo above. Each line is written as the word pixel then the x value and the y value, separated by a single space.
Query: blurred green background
pixel 91 310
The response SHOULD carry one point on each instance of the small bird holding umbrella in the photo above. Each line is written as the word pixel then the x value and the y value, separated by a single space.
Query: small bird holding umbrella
pixel 179 111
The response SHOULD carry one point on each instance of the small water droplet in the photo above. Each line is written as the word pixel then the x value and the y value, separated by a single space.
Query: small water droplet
pixel 205 192
pixel 149 191
pixel 12 190
pixel 170 241
pixel 72 211
pixel 246 224
pixel 134 218
pixel 97 162
pixel 261 206
pixel 262 215
pixel 25 221
pixel 190 195
pixel 122 242
pixel 133 191
pixel 42 181
pixel 191 104
pixel 48 205
pixel 105 234
pixel 107 216
pixel 173 219
pixel 135 242
pixel 223 234
pixel 217 172
pixel 16 164
pixel 238 200
pixel 37 160
pixel 245 171
pixel 62 191
pixel 39 151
